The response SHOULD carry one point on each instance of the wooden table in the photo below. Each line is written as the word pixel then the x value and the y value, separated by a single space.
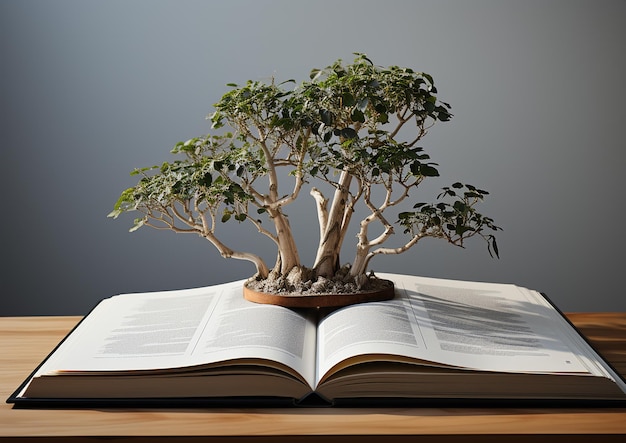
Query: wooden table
pixel 25 341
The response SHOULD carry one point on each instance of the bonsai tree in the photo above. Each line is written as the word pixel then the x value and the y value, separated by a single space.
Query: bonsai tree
pixel 353 129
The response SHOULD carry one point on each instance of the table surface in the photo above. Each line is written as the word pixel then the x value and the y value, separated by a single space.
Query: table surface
pixel 25 342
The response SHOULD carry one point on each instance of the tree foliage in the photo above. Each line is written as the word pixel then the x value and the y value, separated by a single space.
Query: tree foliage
pixel 354 127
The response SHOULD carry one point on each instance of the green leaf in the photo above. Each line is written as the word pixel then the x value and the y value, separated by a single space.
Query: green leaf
pixel 216 120
pixel 428 77
pixel 206 180
pixel 327 117
pixel 229 197
pixel 459 206
pixel 461 229
pixel 139 222
pixel 348 100
pixel 226 217
pixel 428 171
pixel 492 245
pixel 357 116
pixel 444 117
pixel 314 73
pixel 349 133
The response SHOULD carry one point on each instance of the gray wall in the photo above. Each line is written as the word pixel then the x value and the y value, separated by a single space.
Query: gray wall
pixel 92 89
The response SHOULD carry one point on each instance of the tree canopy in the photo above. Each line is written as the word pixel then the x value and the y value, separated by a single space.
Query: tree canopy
pixel 354 127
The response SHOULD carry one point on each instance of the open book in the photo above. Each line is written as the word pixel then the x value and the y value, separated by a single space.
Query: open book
pixel 437 339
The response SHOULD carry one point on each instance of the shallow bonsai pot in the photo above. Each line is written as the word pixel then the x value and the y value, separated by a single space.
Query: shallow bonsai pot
pixel 291 300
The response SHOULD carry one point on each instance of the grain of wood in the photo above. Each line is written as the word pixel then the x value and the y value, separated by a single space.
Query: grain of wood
pixel 25 341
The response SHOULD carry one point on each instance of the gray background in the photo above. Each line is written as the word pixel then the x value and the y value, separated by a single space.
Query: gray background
pixel 90 90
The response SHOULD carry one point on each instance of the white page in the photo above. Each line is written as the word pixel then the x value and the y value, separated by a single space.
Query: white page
pixel 189 327
pixel 473 325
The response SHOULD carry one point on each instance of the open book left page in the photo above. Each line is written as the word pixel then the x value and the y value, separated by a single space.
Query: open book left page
pixel 182 332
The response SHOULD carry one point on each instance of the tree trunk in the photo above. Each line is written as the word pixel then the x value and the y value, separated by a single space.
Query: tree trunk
pixel 327 259
pixel 360 262
pixel 287 249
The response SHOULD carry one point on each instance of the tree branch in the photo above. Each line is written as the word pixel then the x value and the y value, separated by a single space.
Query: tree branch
pixel 291 197
pixel 401 121
pixel 398 250
pixel 322 209
pixel 350 208
pixel 261 229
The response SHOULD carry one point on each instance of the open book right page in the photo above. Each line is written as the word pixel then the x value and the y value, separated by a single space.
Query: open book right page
pixel 469 325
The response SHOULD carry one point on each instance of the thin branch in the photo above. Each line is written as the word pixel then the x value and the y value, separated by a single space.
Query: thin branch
pixel 188 220
pixel 420 135
pixel 171 228
pixel 398 250
pixel 247 186
pixel 282 162
pixel 401 121
pixel 401 197
pixel 291 197
pixel 297 187
pixel 261 229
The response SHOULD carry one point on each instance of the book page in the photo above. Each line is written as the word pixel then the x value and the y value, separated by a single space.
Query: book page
pixel 174 329
pixel 469 325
